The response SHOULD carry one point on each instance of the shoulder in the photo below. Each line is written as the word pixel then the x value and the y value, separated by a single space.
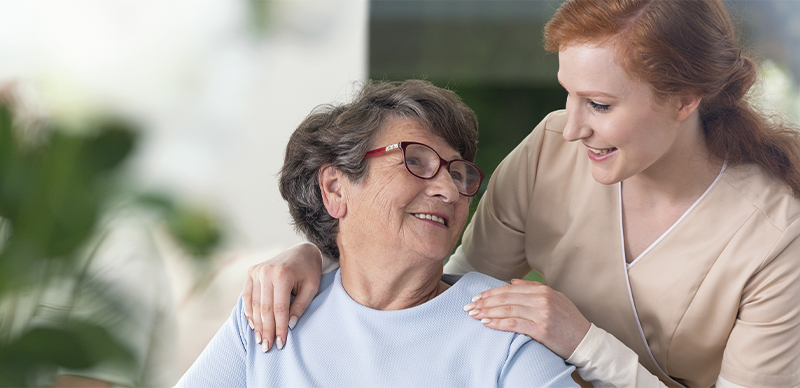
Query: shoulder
pixel 527 361
pixel 478 282
pixel 547 142
pixel 555 121
pixel 551 126
pixel 545 150
pixel 327 281
pixel 768 197
pixel 770 214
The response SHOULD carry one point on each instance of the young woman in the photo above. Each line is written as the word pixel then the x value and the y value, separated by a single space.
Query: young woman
pixel 660 207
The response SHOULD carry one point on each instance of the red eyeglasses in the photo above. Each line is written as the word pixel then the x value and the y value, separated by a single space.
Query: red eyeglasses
pixel 424 163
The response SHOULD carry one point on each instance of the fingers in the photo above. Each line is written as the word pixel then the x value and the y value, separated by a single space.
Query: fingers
pixel 268 288
pixel 267 318
pixel 517 285
pixel 523 306
pixel 516 325
pixel 535 310
pixel 282 297
pixel 247 300
pixel 518 307
pixel 305 294
pixel 522 293
pixel 256 310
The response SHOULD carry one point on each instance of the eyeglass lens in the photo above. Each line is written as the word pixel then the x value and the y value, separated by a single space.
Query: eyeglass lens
pixel 424 162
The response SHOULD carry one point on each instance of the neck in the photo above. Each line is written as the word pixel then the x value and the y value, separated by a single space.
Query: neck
pixel 683 174
pixel 390 283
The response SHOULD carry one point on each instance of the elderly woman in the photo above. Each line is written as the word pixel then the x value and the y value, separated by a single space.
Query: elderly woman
pixel 383 184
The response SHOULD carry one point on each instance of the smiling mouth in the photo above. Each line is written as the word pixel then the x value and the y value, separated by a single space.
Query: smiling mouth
pixel 431 217
pixel 602 151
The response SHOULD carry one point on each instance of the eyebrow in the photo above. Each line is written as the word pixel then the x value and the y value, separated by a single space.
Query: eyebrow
pixel 594 93
pixel 589 93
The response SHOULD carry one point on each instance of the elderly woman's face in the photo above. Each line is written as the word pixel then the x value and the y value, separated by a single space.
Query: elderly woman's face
pixel 396 212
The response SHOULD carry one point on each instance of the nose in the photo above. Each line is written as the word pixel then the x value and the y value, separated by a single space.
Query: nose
pixel 442 186
pixel 576 128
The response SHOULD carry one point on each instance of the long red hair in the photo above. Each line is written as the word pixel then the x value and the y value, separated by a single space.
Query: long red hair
pixel 688 46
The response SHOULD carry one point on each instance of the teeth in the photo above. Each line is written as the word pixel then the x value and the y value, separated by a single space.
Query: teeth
pixel 601 152
pixel 430 217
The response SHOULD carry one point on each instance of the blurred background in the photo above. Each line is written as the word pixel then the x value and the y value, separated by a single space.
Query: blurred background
pixel 140 142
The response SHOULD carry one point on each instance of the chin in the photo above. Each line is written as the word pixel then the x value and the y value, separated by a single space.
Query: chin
pixel 604 177
pixel 435 254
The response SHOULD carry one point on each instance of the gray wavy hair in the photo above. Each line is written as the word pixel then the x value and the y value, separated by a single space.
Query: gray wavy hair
pixel 340 135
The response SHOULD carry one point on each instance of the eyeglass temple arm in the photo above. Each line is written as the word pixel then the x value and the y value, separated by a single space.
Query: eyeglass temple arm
pixel 381 150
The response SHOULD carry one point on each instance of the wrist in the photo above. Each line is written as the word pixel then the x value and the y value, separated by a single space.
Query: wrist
pixel 306 249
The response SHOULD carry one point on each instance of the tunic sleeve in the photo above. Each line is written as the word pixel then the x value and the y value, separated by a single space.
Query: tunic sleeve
pixel 223 361
pixel 764 346
pixel 604 360
pixel 531 364
pixel 494 241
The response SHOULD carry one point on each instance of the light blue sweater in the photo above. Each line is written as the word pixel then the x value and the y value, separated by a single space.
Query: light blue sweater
pixel 340 343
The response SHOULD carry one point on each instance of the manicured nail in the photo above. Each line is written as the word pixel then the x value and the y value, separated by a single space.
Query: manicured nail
pixel 474 312
pixel 258 337
pixel 265 346
pixel 485 320
pixel 250 322
pixel 279 343
pixel 292 322
pixel 469 307
pixel 476 298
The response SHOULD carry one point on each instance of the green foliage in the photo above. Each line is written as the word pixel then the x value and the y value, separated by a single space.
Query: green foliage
pixel 259 15
pixel 52 194
pixel 194 228
pixel 75 346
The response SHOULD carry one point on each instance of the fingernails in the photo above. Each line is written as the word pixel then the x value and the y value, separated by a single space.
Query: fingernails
pixel 292 322
pixel 474 312
pixel 265 346
pixel 469 307
pixel 279 343
pixel 485 320
pixel 250 322
pixel 476 298
pixel 258 337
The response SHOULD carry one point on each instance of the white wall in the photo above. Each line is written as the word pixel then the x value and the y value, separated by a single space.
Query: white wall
pixel 218 100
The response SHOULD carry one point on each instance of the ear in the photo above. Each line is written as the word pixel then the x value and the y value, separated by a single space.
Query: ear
pixel 687 104
pixel 331 185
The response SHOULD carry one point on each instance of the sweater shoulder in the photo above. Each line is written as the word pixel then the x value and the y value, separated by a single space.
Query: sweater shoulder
pixel 475 282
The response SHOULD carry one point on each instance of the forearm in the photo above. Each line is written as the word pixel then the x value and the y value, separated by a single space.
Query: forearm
pixel 604 361
pixel 307 249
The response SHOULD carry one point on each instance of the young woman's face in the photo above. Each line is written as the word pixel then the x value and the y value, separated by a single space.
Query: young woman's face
pixel 625 131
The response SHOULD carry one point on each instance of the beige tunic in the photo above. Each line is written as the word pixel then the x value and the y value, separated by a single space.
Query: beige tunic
pixel 717 295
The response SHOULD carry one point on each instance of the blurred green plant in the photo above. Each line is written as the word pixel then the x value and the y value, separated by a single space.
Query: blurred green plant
pixel 195 228
pixel 259 13
pixel 53 194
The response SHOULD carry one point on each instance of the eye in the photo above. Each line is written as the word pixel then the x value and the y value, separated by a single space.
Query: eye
pixel 599 107
pixel 413 161
pixel 457 176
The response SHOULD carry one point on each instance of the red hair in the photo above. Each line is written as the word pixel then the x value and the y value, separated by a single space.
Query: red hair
pixel 687 47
